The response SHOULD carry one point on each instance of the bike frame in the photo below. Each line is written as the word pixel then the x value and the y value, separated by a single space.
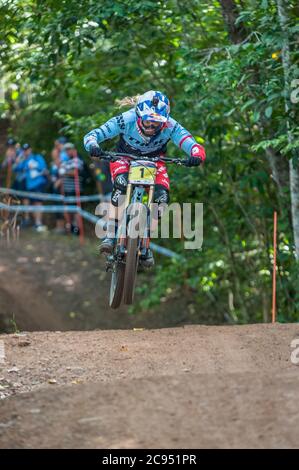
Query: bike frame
pixel 134 194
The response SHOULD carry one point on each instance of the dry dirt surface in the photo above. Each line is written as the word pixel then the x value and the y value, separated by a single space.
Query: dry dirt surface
pixel 51 283
pixel 187 387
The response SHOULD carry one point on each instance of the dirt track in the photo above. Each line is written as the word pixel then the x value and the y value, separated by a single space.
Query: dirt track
pixel 50 283
pixel 198 386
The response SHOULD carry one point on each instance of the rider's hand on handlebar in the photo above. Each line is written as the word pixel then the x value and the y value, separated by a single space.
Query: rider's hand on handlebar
pixel 95 151
pixel 194 161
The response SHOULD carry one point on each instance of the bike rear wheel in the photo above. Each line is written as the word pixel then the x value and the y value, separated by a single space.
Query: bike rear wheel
pixel 132 260
pixel 117 284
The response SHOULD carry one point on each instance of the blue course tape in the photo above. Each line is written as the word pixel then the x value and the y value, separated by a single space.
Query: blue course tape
pixel 21 208
pixel 164 251
pixel 86 215
pixel 90 217
pixel 51 197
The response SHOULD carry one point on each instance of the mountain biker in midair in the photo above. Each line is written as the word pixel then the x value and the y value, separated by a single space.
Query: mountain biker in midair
pixel 144 130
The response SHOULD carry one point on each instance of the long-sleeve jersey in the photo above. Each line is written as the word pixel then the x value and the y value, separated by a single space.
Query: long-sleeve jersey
pixel 132 141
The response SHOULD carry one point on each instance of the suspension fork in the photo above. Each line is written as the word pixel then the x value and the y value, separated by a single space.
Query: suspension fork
pixel 122 235
pixel 128 195
pixel 146 240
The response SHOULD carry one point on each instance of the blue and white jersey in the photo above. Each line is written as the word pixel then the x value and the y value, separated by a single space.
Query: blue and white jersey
pixel 54 172
pixel 63 156
pixel 34 167
pixel 131 140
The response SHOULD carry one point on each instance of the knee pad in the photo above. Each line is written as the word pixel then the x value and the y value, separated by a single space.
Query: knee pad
pixel 119 187
pixel 161 194
pixel 161 197
pixel 121 182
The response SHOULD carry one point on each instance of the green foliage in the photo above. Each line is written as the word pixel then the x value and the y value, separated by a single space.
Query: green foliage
pixel 66 62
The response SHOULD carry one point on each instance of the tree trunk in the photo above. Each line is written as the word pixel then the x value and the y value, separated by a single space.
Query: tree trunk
pixel 237 32
pixel 294 186
pixel 293 165
pixel 279 168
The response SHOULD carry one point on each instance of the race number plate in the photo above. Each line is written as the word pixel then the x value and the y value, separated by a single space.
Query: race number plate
pixel 142 172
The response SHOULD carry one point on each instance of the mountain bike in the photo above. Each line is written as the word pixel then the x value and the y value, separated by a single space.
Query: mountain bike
pixel 133 233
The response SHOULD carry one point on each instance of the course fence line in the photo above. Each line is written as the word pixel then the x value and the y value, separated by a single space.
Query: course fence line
pixel 165 251
pixel 52 197
pixel 86 215
pixel 22 208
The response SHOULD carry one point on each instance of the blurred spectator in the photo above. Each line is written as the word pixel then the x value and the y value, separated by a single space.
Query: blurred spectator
pixel 68 167
pixel 20 177
pixel 9 160
pixel 57 188
pixel 70 171
pixel 36 172
pixel 59 147
pixel 101 171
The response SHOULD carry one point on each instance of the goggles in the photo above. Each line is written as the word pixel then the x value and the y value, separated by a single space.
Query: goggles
pixel 151 125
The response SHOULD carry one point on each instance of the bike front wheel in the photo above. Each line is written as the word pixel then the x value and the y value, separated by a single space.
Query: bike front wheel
pixel 132 260
pixel 117 284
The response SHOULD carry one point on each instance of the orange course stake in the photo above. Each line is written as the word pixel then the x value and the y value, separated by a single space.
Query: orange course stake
pixel 274 268
pixel 67 218
pixel 8 175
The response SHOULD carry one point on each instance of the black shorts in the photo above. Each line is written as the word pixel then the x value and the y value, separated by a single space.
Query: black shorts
pixel 19 185
pixel 41 188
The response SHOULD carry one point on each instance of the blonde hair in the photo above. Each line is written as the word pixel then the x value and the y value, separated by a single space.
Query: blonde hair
pixel 127 101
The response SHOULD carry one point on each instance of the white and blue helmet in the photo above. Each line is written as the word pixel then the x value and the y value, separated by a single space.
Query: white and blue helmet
pixel 153 106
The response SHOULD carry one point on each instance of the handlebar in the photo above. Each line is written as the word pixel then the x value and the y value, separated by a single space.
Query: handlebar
pixel 113 156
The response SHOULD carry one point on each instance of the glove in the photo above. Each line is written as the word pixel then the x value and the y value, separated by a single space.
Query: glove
pixel 194 161
pixel 199 152
pixel 95 151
